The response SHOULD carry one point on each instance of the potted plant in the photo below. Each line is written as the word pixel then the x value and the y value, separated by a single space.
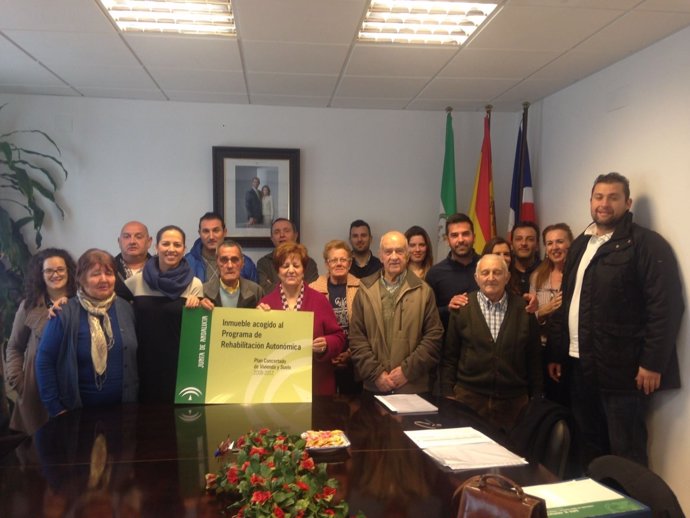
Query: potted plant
pixel 28 182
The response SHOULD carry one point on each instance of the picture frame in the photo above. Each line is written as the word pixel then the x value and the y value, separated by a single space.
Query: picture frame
pixel 248 215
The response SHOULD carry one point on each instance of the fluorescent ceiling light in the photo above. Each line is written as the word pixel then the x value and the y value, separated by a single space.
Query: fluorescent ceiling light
pixel 182 17
pixel 423 21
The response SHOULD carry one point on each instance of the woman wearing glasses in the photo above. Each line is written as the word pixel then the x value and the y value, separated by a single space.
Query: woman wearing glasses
pixel 291 294
pixel 50 278
pixel 340 287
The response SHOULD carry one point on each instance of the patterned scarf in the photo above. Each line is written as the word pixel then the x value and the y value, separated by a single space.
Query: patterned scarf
pixel 171 283
pixel 283 298
pixel 100 330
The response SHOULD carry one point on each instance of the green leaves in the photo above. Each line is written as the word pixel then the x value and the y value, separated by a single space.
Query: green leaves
pixel 28 181
pixel 273 475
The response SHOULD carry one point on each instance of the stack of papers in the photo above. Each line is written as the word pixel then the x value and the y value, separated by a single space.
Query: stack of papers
pixel 463 448
pixel 585 497
pixel 407 404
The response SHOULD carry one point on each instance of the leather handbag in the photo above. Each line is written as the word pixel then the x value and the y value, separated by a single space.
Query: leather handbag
pixel 496 496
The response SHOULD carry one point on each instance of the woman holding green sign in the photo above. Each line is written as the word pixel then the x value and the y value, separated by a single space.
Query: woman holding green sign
pixel 290 260
pixel 160 291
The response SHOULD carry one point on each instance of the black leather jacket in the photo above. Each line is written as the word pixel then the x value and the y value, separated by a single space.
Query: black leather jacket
pixel 631 305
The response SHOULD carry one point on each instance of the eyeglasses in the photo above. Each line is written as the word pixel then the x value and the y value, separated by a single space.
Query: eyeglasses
pixel 339 260
pixel 233 260
pixel 49 272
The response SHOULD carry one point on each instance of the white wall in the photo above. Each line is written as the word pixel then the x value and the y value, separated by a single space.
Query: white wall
pixel 634 118
pixel 152 161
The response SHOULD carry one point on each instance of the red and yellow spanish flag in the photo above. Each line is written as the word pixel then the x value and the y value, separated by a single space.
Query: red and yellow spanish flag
pixel 482 212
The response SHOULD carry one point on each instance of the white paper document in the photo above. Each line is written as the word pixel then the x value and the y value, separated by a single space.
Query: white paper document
pixel 572 492
pixel 407 404
pixel 463 448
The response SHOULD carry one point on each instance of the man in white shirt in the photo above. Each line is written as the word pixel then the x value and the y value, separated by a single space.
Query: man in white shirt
pixel 616 330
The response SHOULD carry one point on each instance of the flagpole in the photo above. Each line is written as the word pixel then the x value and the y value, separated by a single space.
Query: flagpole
pixel 523 145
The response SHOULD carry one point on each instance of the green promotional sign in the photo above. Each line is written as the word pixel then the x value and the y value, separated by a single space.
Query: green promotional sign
pixel 233 355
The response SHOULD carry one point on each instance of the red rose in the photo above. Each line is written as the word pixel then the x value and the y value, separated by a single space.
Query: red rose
pixel 307 464
pixel 263 431
pixel 278 512
pixel 256 480
pixel 245 465
pixel 328 493
pixel 260 497
pixel 257 451
pixel 329 512
pixel 232 474
pixel 240 442
pixel 302 485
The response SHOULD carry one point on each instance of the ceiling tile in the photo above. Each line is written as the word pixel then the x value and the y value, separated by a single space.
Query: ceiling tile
pixel 26 89
pixel 374 103
pixel 635 31
pixel 105 76
pixel 291 84
pixel 296 58
pixel 291 100
pixel 186 51
pixel 397 60
pixel 466 89
pixel 18 68
pixel 56 49
pixel 497 63
pixel 556 28
pixel 441 104
pixel 206 97
pixel 530 90
pixel 305 21
pixel 380 87
pixel 65 16
pixel 123 93
pixel 202 80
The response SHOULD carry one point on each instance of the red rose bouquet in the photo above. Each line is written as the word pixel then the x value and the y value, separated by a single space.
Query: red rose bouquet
pixel 273 475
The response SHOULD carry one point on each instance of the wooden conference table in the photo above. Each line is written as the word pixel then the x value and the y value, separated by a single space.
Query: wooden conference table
pixel 150 461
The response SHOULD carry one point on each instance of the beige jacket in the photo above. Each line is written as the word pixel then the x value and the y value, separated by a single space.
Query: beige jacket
pixel 321 285
pixel 417 334
pixel 29 413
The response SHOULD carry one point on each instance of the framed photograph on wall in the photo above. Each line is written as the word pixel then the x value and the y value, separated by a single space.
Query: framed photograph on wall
pixel 252 186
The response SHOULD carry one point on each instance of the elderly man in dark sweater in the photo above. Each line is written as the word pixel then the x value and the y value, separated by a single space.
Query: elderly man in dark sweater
pixel 491 359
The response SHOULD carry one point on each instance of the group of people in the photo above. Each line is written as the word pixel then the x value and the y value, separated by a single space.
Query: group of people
pixel 258 204
pixel 592 325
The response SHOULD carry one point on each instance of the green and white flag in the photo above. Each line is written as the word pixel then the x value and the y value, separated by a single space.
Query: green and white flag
pixel 448 204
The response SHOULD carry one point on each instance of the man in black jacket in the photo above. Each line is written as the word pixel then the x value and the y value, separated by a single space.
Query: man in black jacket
pixel 617 328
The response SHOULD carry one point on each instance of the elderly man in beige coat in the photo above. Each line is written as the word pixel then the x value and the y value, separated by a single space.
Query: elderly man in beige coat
pixel 395 331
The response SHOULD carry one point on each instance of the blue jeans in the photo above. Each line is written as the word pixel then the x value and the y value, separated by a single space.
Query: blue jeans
pixel 608 422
